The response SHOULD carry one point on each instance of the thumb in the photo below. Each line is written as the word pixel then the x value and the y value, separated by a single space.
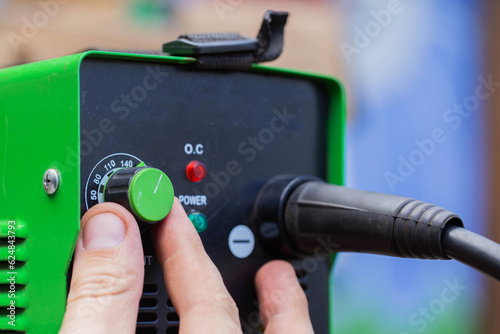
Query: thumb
pixel 282 302
pixel 108 273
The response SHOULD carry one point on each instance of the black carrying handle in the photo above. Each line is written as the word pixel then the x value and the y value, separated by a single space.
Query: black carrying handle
pixel 232 50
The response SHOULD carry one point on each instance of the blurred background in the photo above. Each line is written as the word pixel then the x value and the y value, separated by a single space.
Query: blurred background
pixel 418 125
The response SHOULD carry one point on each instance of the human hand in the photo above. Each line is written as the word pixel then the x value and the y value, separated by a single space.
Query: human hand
pixel 108 275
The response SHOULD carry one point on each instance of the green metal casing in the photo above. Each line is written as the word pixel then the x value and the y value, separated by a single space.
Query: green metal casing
pixel 40 129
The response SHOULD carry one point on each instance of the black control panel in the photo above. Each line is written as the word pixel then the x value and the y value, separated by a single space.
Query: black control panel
pixel 219 136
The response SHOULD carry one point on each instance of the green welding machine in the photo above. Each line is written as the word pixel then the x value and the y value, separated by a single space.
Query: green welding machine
pixel 96 126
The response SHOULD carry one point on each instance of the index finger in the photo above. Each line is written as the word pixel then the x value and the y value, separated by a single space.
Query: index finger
pixel 193 282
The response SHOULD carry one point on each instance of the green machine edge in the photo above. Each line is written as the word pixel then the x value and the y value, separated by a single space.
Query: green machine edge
pixel 39 130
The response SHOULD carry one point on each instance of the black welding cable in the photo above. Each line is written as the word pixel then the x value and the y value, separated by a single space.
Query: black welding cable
pixel 312 214
pixel 473 250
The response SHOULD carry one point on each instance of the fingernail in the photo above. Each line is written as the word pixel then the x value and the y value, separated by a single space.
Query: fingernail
pixel 103 231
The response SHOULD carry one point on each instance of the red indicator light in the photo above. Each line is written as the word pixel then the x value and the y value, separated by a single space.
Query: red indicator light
pixel 196 171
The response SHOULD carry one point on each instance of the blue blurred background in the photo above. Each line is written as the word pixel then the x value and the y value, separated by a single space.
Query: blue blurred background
pixel 412 66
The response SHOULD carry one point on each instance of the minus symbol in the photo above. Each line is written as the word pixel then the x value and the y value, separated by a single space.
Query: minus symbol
pixel 246 241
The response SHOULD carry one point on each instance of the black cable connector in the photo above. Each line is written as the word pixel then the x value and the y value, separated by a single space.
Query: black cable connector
pixel 310 213
pixel 361 221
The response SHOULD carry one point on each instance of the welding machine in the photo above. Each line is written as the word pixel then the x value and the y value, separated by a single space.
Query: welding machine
pixel 68 124
pixel 245 147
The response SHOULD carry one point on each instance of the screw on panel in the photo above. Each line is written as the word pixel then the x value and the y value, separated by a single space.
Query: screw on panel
pixel 51 181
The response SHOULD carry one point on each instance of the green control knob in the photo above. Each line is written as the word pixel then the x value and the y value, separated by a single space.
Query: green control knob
pixel 146 192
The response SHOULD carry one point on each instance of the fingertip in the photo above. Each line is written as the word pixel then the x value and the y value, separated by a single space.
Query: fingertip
pixel 107 225
pixel 104 230
pixel 177 209
pixel 277 285
pixel 108 270
pixel 282 302
pixel 177 212
pixel 274 270
pixel 175 232
pixel 110 208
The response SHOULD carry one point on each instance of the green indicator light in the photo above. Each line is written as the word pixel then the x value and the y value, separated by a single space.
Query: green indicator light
pixel 151 194
pixel 199 221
